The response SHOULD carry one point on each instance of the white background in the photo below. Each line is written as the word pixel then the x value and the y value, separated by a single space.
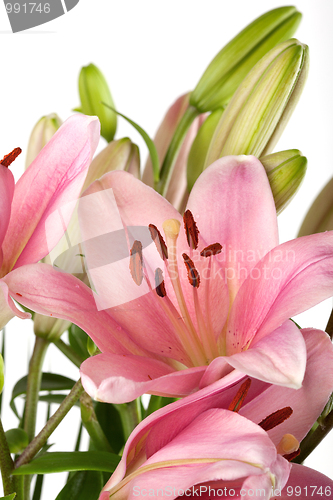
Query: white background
pixel 151 51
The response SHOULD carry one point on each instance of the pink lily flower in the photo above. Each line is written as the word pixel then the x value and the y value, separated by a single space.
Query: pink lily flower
pixel 52 181
pixel 174 338
pixel 264 404
pixel 217 449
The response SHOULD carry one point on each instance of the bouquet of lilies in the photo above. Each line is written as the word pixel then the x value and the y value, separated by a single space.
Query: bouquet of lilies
pixel 171 282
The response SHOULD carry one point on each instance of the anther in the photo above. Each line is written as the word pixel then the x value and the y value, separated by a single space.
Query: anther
pixel 8 159
pixel 192 273
pixel 276 418
pixel 191 229
pixel 136 262
pixel 159 283
pixel 159 241
pixel 287 445
pixel 213 249
pixel 238 400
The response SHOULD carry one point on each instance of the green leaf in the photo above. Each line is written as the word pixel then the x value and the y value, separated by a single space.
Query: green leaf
pixel 110 421
pixel 38 487
pixel 9 497
pixel 149 143
pixel 84 485
pixel 63 461
pixel 157 402
pixel 50 382
pixel 78 341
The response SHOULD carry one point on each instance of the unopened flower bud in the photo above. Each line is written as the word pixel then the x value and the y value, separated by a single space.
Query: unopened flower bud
pixel 17 440
pixel 94 91
pixel 320 215
pixel 235 60
pixel 285 171
pixel 42 132
pixel 262 105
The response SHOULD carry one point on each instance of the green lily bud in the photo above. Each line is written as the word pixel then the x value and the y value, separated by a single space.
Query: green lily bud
pixel 17 440
pixel 234 61
pixel 285 171
pixel 200 146
pixel 118 155
pixel 2 373
pixel 262 105
pixel 42 132
pixel 94 91
pixel 320 215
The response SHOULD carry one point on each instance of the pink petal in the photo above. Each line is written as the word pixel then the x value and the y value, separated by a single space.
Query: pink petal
pixel 120 379
pixel 304 483
pixel 48 291
pixel 7 186
pixel 307 402
pixel 289 280
pixel 51 183
pixel 246 230
pixel 279 358
pixel 8 308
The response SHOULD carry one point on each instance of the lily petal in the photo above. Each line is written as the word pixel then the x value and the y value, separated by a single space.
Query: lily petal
pixel 279 358
pixel 52 181
pixel 120 379
pixel 318 485
pixel 8 308
pixel 246 230
pixel 7 186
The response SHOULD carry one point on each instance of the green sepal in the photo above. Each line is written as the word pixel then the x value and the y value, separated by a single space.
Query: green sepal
pixel 84 485
pixel 63 461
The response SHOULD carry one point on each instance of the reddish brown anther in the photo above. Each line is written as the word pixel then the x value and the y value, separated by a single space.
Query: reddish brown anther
pixel 213 249
pixel 191 229
pixel 136 262
pixel 192 273
pixel 159 283
pixel 8 159
pixel 292 455
pixel 237 402
pixel 159 241
pixel 276 418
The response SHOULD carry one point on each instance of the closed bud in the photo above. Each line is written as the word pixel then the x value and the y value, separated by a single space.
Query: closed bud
pixel 235 60
pixel 17 440
pixel 285 171
pixel 320 215
pixel 94 91
pixel 262 105
pixel 42 132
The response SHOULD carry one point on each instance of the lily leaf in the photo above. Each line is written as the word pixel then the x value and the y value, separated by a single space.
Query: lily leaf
pixel 84 485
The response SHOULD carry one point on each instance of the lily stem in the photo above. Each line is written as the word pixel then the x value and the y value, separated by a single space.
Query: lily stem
pixel 38 442
pixel 130 415
pixel 69 352
pixel 6 463
pixel 313 438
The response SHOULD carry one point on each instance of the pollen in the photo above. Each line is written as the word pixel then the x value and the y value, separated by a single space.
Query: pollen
pixel 276 418
pixel 192 273
pixel 159 241
pixel 136 262
pixel 238 400
pixel 213 249
pixel 159 283
pixel 8 159
pixel 191 230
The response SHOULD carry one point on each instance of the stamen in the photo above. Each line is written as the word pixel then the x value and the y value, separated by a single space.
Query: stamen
pixel 237 402
pixel 8 159
pixel 192 273
pixel 287 445
pixel 159 283
pixel 291 456
pixel 136 263
pixel 213 249
pixel 159 241
pixel 191 229
pixel 276 418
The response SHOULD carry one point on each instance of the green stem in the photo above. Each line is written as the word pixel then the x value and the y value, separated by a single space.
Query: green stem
pixel 329 326
pixel 130 415
pixel 171 156
pixel 6 463
pixel 313 438
pixel 89 420
pixel 38 442
pixel 69 352
pixel 33 386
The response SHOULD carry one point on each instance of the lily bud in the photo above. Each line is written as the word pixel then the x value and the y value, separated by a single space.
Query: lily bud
pixel 2 375
pixel 285 172
pixel 17 440
pixel 262 105
pixel 42 132
pixel 320 215
pixel 235 60
pixel 94 91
